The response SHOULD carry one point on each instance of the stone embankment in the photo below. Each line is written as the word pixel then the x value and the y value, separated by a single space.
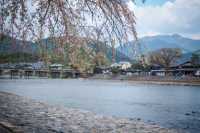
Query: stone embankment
pixel 23 115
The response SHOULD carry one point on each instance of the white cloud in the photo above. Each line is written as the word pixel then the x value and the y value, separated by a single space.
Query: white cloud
pixel 180 16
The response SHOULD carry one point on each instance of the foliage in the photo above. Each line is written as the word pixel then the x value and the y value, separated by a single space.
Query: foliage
pixel 81 60
pixel 56 59
pixel 137 66
pixel 80 57
pixel 164 57
pixel 140 66
pixel 195 59
pixel 5 39
pixel 100 60
pixel 115 70
pixel 17 57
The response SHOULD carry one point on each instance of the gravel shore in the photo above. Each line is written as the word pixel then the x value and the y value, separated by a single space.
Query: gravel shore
pixel 150 79
pixel 23 115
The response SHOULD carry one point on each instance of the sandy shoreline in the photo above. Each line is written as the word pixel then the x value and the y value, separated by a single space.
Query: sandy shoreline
pixel 23 115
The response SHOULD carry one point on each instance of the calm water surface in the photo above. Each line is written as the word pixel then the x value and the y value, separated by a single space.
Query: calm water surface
pixel 168 106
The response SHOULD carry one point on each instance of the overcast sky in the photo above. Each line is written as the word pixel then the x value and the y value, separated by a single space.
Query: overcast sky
pixel 168 17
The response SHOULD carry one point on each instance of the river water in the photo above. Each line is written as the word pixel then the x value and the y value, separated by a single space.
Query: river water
pixel 166 105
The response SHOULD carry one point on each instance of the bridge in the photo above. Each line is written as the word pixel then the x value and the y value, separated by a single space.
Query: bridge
pixel 40 73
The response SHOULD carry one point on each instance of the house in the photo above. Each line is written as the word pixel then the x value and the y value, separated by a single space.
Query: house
pixel 186 64
pixel 56 66
pixel 183 69
pixel 23 66
pixel 197 73
pixel 38 65
pixel 123 65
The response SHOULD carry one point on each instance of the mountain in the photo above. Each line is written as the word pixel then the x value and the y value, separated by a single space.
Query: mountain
pixel 9 45
pixel 12 45
pixel 15 50
pixel 123 53
pixel 151 43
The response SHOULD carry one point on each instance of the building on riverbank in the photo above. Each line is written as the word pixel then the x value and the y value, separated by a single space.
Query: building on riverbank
pixel 184 69
pixel 123 65
pixel 24 65
pixel 56 66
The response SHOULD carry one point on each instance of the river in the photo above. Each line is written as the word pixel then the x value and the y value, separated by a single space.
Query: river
pixel 166 105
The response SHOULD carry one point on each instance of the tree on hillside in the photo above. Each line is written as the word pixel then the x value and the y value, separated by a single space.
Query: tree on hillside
pixel 195 59
pixel 81 61
pixel 164 57
pixel 71 22
pixel 100 60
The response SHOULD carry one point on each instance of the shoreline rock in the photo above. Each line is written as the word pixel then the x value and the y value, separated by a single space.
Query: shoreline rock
pixel 23 115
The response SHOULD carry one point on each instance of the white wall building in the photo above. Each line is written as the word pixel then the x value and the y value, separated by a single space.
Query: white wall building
pixel 122 65
pixel 125 65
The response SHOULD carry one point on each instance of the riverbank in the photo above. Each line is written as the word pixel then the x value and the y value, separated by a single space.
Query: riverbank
pixel 22 115
pixel 150 79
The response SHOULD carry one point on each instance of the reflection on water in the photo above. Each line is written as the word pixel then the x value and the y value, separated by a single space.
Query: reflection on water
pixel 168 106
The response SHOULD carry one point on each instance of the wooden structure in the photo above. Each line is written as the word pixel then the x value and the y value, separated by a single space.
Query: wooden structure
pixel 184 69
pixel 41 73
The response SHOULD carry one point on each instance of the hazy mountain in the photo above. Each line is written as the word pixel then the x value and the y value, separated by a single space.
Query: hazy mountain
pixel 148 44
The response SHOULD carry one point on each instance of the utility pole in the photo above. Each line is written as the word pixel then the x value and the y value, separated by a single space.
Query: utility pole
pixel 113 50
